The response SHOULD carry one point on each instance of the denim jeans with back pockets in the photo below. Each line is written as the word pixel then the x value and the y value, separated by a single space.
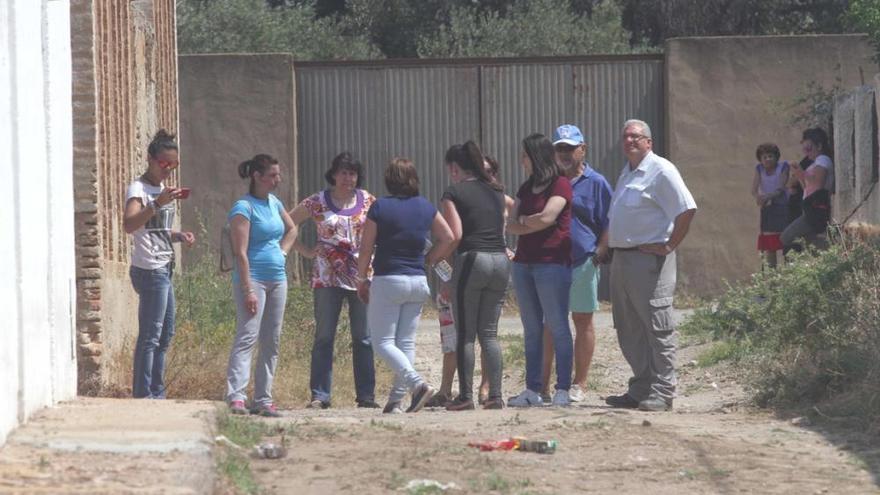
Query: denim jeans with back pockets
pixel 155 329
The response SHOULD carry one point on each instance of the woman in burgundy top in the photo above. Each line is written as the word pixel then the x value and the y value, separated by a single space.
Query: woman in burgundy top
pixel 542 267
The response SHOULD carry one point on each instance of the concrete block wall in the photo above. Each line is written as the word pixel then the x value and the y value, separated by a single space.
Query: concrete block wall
pixel 856 155
pixel 124 90
pixel 233 107
pixel 725 96
pixel 37 274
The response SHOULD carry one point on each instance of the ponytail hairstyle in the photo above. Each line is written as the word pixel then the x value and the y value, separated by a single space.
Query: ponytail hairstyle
pixel 258 164
pixel 470 159
pixel 162 141
pixel 540 151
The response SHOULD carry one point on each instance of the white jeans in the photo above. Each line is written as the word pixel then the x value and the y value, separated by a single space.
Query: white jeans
pixel 393 317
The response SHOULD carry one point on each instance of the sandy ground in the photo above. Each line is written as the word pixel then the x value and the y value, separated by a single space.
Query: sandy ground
pixel 710 443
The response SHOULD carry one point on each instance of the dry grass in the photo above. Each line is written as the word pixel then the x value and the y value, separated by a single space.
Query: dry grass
pixel 196 367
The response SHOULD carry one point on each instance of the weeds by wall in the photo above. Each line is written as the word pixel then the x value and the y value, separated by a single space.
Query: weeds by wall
pixel 206 328
pixel 808 334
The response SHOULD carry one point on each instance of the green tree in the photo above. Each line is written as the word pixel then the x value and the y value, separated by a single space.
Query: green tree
pixel 864 16
pixel 528 28
pixel 653 21
pixel 253 26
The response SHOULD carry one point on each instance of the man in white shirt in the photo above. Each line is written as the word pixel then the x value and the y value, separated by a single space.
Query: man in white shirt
pixel 651 211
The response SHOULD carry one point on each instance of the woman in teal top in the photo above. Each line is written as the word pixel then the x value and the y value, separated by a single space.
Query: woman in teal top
pixel 262 233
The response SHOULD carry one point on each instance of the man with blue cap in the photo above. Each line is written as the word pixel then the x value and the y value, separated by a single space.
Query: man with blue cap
pixel 591 199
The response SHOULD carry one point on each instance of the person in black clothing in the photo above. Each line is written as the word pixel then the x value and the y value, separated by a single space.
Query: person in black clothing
pixel 474 207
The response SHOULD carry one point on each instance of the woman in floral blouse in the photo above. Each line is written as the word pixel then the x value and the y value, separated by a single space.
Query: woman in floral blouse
pixel 339 213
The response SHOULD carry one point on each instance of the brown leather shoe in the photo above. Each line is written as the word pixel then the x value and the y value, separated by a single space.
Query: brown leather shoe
pixel 460 405
pixel 493 404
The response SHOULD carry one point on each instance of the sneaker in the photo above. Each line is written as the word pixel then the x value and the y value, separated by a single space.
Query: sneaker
pixel 237 407
pixel 269 411
pixel 439 400
pixel 622 401
pixel 318 404
pixel 493 404
pixel 368 404
pixel 561 398
pixel 460 404
pixel 420 395
pixel 577 394
pixel 526 398
pixel 545 396
pixel 392 408
pixel 655 404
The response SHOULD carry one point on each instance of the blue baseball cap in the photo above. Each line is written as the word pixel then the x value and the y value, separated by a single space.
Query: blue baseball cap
pixel 568 134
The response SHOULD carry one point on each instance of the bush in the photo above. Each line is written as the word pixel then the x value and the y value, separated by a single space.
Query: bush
pixel 206 328
pixel 807 332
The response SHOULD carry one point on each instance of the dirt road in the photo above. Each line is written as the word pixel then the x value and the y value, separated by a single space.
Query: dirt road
pixel 711 443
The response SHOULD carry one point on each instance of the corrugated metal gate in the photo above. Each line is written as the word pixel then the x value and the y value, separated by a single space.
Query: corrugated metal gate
pixel 418 108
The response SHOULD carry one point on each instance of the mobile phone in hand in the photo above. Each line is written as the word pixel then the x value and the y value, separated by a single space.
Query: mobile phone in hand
pixel 183 192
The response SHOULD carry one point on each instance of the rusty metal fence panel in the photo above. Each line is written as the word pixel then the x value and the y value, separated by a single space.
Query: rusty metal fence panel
pixel 418 108
pixel 378 113
pixel 383 109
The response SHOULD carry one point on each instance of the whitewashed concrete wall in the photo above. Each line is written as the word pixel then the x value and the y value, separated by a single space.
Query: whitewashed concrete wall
pixel 37 272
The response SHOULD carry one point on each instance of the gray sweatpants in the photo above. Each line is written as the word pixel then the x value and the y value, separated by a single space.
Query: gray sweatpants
pixel 265 327
pixel 480 282
pixel 642 286
pixel 800 228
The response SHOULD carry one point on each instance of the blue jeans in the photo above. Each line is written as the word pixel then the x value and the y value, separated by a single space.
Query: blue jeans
pixel 393 313
pixel 328 306
pixel 155 329
pixel 542 292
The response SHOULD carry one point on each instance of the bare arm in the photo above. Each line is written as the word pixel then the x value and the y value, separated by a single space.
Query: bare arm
pixel 365 257
pixel 541 220
pixel 509 206
pixel 299 215
pixel 137 214
pixel 239 230
pixel 756 183
pixel 453 221
pixel 601 249
pixel 444 242
pixel 290 232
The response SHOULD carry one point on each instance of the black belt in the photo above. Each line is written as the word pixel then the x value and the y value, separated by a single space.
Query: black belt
pixel 634 248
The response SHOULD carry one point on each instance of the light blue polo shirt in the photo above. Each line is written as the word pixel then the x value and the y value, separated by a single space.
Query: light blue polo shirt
pixel 264 243
pixel 646 202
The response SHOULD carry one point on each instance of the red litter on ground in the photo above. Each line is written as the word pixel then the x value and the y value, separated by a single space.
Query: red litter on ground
pixel 516 443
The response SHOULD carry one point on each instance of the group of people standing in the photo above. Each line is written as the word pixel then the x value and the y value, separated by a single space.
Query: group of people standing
pixel 794 197
pixel 372 253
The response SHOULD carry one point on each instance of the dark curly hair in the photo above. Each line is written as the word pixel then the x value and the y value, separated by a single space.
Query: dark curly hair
pixel 344 161
pixel 767 148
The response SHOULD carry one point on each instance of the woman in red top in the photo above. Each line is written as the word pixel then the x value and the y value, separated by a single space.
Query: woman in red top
pixel 542 267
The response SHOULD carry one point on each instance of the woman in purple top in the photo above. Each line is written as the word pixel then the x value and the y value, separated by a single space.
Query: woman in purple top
pixel 769 191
